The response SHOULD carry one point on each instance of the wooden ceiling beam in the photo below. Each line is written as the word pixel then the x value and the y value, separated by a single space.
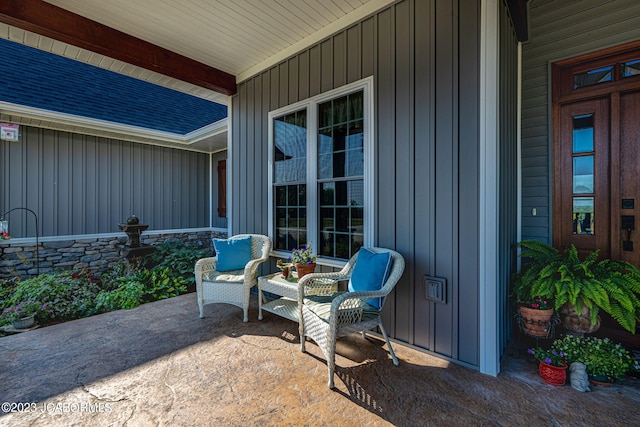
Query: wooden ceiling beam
pixel 51 21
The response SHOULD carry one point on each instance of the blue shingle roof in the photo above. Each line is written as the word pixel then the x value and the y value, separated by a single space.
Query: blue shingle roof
pixel 35 78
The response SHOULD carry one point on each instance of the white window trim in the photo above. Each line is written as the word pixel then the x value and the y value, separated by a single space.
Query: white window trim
pixel 311 105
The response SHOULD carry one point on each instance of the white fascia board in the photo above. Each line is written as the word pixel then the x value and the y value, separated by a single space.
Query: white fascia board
pixel 337 25
pixel 204 132
pixel 107 126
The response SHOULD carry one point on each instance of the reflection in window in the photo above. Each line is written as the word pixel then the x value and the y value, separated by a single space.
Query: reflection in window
pixel 583 208
pixel 583 174
pixel 340 175
pixel 630 68
pixel 583 133
pixel 592 77
pixel 289 177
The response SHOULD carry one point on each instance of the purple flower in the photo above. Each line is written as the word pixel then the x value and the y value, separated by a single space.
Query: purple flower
pixel 530 351
pixel 548 361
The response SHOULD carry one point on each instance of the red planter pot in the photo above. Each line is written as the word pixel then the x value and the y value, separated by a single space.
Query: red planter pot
pixel 554 375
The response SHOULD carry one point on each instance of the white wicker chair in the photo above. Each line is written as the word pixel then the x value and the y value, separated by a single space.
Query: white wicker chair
pixel 344 313
pixel 231 287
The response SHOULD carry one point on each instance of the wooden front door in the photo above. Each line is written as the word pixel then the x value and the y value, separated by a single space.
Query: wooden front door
pixel 596 153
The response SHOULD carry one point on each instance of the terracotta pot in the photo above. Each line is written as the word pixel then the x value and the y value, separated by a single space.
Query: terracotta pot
pixel 554 375
pixel 578 323
pixel 535 322
pixel 303 269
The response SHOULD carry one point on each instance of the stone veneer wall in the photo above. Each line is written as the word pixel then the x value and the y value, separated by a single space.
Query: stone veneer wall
pixel 97 253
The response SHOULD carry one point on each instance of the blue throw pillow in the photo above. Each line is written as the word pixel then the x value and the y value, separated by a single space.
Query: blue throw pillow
pixel 370 273
pixel 233 254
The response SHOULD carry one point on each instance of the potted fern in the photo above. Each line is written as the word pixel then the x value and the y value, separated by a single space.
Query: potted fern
pixel 579 288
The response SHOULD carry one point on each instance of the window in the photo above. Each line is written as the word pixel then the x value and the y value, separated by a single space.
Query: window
pixel 321 188
pixel 222 188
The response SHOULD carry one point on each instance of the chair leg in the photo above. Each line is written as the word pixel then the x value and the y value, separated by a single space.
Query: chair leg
pixel 302 337
pixel 331 363
pixel 201 307
pixel 246 315
pixel 386 337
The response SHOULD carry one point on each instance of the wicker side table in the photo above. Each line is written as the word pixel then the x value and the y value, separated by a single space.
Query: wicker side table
pixel 287 305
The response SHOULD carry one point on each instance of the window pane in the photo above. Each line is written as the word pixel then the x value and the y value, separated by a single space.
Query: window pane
pixel 355 106
pixel 583 174
pixel 356 193
pixel 592 77
pixel 583 133
pixel 340 110
pixel 325 114
pixel 355 139
pixel 343 249
pixel 327 192
pixel 290 147
pixel 630 68
pixel 583 208
pixel 290 216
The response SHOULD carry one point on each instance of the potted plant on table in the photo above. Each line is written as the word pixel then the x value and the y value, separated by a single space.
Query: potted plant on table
pixel 552 367
pixel 604 360
pixel 304 260
pixel 579 288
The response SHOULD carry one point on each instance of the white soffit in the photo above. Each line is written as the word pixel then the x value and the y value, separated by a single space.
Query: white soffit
pixel 240 37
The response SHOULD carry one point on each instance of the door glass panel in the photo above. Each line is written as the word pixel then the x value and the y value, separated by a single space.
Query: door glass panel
pixel 630 68
pixel 593 77
pixel 583 133
pixel 583 208
pixel 583 174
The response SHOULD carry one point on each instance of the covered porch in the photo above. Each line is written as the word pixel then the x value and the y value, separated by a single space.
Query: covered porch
pixel 159 364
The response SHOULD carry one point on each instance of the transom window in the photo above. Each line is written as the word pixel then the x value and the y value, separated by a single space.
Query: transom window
pixel 321 189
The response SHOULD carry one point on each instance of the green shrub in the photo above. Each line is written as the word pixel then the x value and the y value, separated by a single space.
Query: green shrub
pixel 70 294
pixel 179 258
pixel 144 286
pixel 127 295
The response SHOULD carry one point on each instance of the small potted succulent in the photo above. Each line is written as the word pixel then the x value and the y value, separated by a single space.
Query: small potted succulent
pixel 285 267
pixel 304 260
pixel 604 360
pixel 22 315
pixel 553 366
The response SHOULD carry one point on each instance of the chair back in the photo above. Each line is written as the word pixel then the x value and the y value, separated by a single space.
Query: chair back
pixel 397 268
pixel 260 245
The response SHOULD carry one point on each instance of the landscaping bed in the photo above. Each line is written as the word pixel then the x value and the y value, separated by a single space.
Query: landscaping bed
pixel 73 294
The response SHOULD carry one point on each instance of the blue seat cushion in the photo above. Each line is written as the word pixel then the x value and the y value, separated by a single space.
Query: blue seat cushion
pixel 233 254
pixel 370 273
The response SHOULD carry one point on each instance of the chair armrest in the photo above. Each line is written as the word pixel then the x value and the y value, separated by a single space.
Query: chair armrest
pixel 205 265
pixel 348 307
pixel 251 269
pixel 310 285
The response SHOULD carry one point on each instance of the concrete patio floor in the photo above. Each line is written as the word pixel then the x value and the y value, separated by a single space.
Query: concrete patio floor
pixel 160 365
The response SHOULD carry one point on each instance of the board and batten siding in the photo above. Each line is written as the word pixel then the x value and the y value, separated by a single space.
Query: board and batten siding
pixel 423 56
pixel 79 184
pixel 559 29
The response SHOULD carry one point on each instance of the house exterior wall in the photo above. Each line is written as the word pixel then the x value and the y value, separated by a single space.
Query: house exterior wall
pixel 79 184
pixel 424 58
pixel 559 29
